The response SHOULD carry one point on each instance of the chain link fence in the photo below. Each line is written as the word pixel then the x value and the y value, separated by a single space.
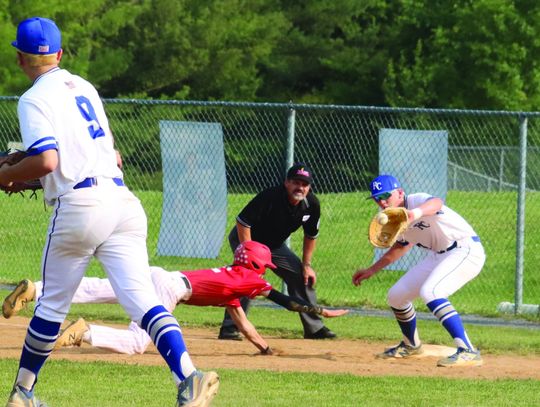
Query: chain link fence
pixel 486 183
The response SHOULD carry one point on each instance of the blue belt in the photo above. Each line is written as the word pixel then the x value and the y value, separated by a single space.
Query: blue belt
pixel 454 245
pixel 92 182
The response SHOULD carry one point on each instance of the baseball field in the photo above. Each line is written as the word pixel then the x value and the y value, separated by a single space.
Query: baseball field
pixel 342 372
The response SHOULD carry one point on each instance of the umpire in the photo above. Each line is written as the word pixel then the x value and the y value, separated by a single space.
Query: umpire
pixel 270 218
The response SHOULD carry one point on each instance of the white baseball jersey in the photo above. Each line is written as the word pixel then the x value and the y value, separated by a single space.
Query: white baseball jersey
pixel 456 256
pixel 94 214
pixel 436 232
pixel 64 112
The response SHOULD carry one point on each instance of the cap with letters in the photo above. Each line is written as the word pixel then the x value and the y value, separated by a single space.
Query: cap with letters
pixel 39 36
pixel 300 171
pixel 383 183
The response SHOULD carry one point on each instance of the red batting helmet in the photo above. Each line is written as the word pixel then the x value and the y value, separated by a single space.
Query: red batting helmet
pixel 253 255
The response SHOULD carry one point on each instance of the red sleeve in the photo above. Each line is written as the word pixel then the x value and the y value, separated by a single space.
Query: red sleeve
pixel 234 303
pixel 224 286
pixel 257 285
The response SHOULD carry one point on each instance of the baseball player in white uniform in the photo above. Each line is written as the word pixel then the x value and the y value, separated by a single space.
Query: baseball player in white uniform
pixel 67 137
pixel 455 257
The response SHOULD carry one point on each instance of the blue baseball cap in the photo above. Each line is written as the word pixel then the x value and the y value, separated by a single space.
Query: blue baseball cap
pixel 383 183
pixel 39 36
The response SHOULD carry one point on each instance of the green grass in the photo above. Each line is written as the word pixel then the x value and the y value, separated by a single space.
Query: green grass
pixel 68 384
pixel 341 248
pixel 279 322
pixel 64 383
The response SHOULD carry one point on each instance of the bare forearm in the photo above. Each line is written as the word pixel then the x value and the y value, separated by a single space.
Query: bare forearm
pixel 308 249
pixel 244 233
pixel 30 168
pixel 247 329
pixel 393 254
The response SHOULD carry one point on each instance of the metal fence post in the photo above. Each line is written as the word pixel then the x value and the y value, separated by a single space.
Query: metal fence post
pixel 520 226
pixel 501 169
pixel 289 160
pixel 291 120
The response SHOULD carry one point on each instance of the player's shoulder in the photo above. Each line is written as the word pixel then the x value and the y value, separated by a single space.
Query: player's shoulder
pixel 244 272
pixel 273 190
pixel 418 198
pixel 269 194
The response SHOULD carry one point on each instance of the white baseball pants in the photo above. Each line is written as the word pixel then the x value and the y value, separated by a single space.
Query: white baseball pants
pixel 438 275
pixel 106 221
pixel 169 287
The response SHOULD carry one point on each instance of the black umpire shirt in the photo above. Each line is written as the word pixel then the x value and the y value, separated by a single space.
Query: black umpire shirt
pixel 272 218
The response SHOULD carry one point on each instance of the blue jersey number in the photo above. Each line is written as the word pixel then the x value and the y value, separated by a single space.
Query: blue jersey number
pixel 89 114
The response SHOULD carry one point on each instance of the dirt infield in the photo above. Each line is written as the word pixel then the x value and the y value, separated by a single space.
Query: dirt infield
pixel 336 356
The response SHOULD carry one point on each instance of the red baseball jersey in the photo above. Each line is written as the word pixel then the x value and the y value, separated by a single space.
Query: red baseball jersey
pixel 224 286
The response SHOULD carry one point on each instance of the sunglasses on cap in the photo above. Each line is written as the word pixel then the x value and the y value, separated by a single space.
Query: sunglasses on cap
pixel 383 197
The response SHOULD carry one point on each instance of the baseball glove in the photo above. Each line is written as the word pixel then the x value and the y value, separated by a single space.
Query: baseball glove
pixel 18 187
pixel 383 232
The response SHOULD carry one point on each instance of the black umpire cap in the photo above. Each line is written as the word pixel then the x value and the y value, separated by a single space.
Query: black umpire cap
pixel 300 171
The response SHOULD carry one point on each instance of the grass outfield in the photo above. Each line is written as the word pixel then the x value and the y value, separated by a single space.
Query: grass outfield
pixel 68 384
pixel 342 247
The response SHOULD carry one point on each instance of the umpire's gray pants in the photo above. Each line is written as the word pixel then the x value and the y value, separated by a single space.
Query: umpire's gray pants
pixel 289 269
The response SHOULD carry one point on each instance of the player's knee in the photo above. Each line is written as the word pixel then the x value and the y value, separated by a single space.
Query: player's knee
pixel 429 293
pixel 396 298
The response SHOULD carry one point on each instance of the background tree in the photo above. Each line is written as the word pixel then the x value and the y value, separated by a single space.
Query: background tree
pixel 474 54
pixel 460 54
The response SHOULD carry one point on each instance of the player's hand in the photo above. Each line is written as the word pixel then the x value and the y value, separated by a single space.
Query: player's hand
pixel 361 275
pixel 267 351
pixel 309 276
pixel 271 352
pixel 331 313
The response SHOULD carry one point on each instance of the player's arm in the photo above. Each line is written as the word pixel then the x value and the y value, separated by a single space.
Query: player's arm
pixel 308 249
pixel 248 329
pixel 311 231
pixel 244 233
pixel 393 254
pixel 252 214
pixel 297 304
pixel 428 208
pixel 32 167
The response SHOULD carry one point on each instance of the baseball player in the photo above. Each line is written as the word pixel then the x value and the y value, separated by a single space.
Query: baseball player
pixel 67 137
pixel 455 257
pixel 218 287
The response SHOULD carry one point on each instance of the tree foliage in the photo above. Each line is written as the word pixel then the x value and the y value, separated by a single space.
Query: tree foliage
pixel 433 53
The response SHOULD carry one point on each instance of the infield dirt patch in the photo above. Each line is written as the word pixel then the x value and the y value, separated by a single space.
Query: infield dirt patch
pixel 328 356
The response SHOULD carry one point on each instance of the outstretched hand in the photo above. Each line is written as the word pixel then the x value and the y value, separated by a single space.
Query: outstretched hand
pixel 331 313
pixel 361 275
